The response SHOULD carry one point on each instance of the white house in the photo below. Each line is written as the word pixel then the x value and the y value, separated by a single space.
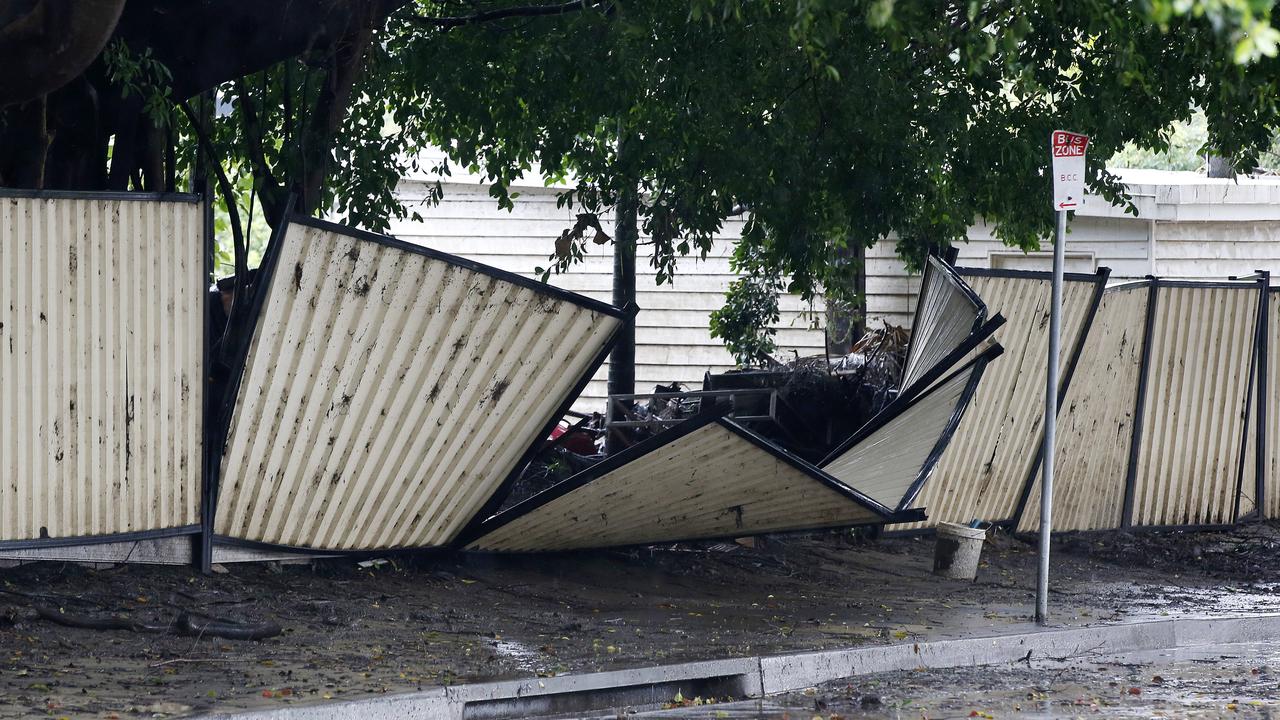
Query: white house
pixel 1188 226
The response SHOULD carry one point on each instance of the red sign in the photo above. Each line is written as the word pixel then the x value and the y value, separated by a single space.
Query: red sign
pixel 1069 144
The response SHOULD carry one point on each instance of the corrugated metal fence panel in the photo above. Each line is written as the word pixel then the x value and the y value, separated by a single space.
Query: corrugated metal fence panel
pixel 101 326
pixel 887 463
pixel 1095 424
pixel 946 314
pixel 985 469
pixel 711 482
pixel 1193 422
pixel 388 393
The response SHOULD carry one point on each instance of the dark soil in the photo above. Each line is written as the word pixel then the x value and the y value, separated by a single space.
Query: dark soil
pixel 417 622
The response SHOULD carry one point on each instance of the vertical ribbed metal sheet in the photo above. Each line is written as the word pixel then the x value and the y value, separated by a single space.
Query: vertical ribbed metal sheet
pixel 389 391
pixel 947 313
pixel 1193 425
pixel 984 471
pixel 101 386
pixel 1095 425
pixel 891 459
pixel 706 479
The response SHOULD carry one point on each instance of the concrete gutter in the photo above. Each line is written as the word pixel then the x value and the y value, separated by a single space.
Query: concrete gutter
pixel 752 677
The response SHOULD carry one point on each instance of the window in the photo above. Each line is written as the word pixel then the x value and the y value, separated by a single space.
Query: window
pixel 1073 261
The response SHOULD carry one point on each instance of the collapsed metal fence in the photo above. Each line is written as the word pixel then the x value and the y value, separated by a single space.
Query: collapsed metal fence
pixel 390 392
pixel 390 395
pixel 709 477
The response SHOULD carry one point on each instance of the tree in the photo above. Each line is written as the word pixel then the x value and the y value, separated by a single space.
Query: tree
pixel 833 124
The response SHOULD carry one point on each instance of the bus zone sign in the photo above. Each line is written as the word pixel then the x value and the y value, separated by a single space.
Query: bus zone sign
pixel 1068 168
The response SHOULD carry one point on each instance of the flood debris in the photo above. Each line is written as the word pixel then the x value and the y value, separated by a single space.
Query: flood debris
pixel 822 400
pixel 717 474
pixel 186 623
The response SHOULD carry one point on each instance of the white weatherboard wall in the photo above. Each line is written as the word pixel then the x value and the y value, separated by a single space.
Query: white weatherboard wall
pixel 673 340
pixel 1188 227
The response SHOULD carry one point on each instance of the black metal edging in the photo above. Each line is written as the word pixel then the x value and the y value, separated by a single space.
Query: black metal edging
pixel 1026 274
pixel 38 543
pixel 504 489
pixel 222 424
pixel 1264 398
pixel 1262 354
pixel 20 193
pixel 1139 405
pixel 1103 274
pixel 1257 373
pixel 493 272
pixel 202 547
pixel 978 369
pixel 975 338
pixel 244 544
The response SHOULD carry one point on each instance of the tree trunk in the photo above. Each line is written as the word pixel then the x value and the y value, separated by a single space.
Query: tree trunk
pixel 622 362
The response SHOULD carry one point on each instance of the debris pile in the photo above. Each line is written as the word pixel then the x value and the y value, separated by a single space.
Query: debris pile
pixel 822 400
pixel 571 448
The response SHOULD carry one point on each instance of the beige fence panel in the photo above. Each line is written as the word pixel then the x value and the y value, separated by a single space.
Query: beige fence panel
pixel 947 314
pixel 390 392
pixel 101 385
pixel 1095 424
pixel 892 458
pixel 705 478
pixel 1190 454
pixel 984 472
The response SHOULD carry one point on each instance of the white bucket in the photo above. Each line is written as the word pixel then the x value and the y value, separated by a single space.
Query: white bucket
pixel 956 551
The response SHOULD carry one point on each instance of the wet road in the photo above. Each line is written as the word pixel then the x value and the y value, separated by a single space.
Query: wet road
pixel 1223 681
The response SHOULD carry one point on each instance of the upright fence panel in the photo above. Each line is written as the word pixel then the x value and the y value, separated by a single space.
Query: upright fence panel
pixel 390 391
pixel 1095 425
pixel 1187 462
pixel 101 386
pixel 984 471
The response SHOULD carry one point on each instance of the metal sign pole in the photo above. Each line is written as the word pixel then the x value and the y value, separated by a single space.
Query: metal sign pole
pixel 1050 422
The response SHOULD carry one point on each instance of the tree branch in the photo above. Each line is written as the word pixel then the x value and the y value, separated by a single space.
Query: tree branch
pixel 331 106
pixel 239 301
pixel 264 180
pixel 504 13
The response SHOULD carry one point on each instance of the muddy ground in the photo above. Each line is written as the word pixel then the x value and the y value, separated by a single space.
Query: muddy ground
pixel 418 622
